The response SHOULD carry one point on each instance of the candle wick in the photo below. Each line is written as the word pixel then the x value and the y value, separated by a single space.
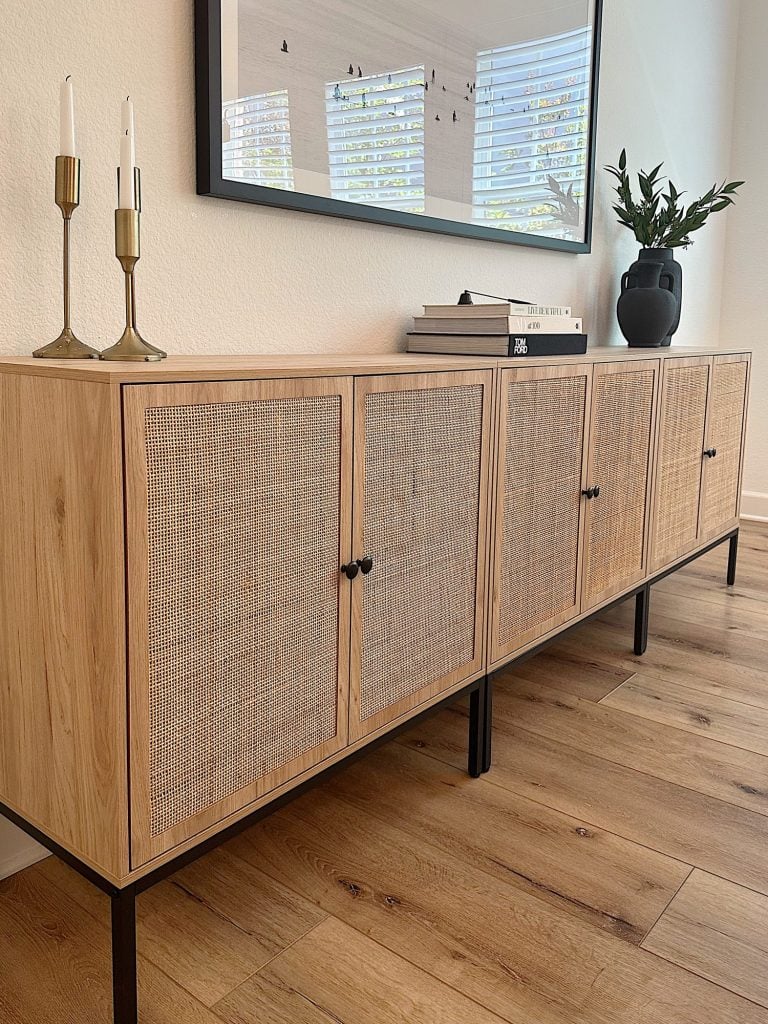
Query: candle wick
pixel 67 78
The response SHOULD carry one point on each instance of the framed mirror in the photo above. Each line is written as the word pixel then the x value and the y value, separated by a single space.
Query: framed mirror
pixel 474 119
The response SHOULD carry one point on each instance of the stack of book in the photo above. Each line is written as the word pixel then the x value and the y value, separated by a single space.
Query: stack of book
pixel 498 329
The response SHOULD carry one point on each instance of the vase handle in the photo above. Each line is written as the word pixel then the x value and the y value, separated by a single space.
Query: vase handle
pixel 625 281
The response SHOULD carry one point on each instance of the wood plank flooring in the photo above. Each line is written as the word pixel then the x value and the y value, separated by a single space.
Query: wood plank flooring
pixel 611 869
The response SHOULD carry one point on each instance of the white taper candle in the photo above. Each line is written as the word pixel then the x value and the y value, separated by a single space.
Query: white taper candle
pixel 127 196
pixel 67 119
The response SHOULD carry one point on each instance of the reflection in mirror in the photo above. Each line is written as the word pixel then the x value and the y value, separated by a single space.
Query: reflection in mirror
pixel 471 113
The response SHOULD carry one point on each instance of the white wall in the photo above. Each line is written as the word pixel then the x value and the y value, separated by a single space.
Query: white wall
pixel 745 297
pixel 225 277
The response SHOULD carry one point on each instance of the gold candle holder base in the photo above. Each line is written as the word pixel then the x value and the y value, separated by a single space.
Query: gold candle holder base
pixel 67 346
pixel 131 347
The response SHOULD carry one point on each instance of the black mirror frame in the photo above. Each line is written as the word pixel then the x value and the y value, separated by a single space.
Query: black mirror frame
pixel 210 181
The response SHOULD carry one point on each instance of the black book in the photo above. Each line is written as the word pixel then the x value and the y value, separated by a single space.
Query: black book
pixel 519 345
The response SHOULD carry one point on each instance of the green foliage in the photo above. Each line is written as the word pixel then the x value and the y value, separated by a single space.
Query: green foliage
pixel 672 223
pixel 565 207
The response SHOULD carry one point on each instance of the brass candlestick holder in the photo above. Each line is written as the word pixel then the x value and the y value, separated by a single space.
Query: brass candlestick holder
pixel 67 346
pixel 131 347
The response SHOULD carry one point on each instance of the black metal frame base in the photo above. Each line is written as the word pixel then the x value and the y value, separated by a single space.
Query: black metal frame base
pixel 480 728
pixel 479 761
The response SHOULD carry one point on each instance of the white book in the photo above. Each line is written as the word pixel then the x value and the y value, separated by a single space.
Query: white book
pixel 498 325
pixel 496 309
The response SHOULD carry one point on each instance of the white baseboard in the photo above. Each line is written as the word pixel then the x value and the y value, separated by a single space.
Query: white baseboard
pixel 17 851
pixel 754 505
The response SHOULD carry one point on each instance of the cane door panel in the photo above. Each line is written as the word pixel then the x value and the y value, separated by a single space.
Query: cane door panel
pixel 720 494
pixel 539 511
pixel 238 498
pixel 420 512
pixel 675 522
pixel 620 454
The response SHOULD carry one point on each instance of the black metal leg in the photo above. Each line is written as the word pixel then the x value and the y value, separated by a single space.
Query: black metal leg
pixel 733 554
pixel 476 716
pixel 124 988
pixel 480 711
pixel 487 725
pixel 642 608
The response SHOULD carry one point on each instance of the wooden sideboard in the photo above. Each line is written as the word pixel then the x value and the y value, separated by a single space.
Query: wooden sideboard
pixel 222 576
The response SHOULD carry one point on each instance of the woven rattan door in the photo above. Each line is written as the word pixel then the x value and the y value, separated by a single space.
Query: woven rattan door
pixel 539 511
pixel 675 523
pixel 721 486
pixel 622 423
pixel 420 513
pixel 238 499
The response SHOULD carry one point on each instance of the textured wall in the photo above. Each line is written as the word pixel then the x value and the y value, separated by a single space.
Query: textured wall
pixel 225 277
pixel 745 298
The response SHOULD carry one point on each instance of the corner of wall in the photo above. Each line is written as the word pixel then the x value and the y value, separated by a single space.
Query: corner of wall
pixel 17 850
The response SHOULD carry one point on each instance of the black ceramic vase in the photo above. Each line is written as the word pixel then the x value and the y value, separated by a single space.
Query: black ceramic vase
pixel 646 311
pixel 671 279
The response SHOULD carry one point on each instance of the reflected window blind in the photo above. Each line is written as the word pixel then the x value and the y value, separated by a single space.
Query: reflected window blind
pixel 376 139
pixel 256 140
pixel 531 121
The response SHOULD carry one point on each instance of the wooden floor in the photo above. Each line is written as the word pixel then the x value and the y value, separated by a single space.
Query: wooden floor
pixel 611 869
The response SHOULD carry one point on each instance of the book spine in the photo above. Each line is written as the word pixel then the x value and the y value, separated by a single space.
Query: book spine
pixel 484 309
pixel 544 311
pixel 521 345
pixel 498 325
pixel 545 325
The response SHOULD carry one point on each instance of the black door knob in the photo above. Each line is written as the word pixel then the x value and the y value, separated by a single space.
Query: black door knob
pixel 351 570
pixel 595 492
pixel 711 453
pixel 589 493
pixel 366 564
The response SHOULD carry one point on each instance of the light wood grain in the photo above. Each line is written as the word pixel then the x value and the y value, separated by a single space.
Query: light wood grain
pixel 477 894
pixel 286 787
pixel 579 675
pixel 719 931
pixel 210 927
pixel 63 757
pixel 145 845
pixel 614 885
pixel 510 951
pixel 661 700
pixel 100 836
pixel 533 537
pixel 745 597
pixel 693 655
pixel 681 823
pixel 57 965
pixel 675 526
pixel 247 367
pixel 618 521
pixel 695 762
pixel 364 984
pixel 725 608
pixel 400 634
pixel 726 426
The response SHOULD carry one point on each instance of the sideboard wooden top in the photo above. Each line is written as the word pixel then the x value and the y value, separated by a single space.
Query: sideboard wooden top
pixel 242 367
